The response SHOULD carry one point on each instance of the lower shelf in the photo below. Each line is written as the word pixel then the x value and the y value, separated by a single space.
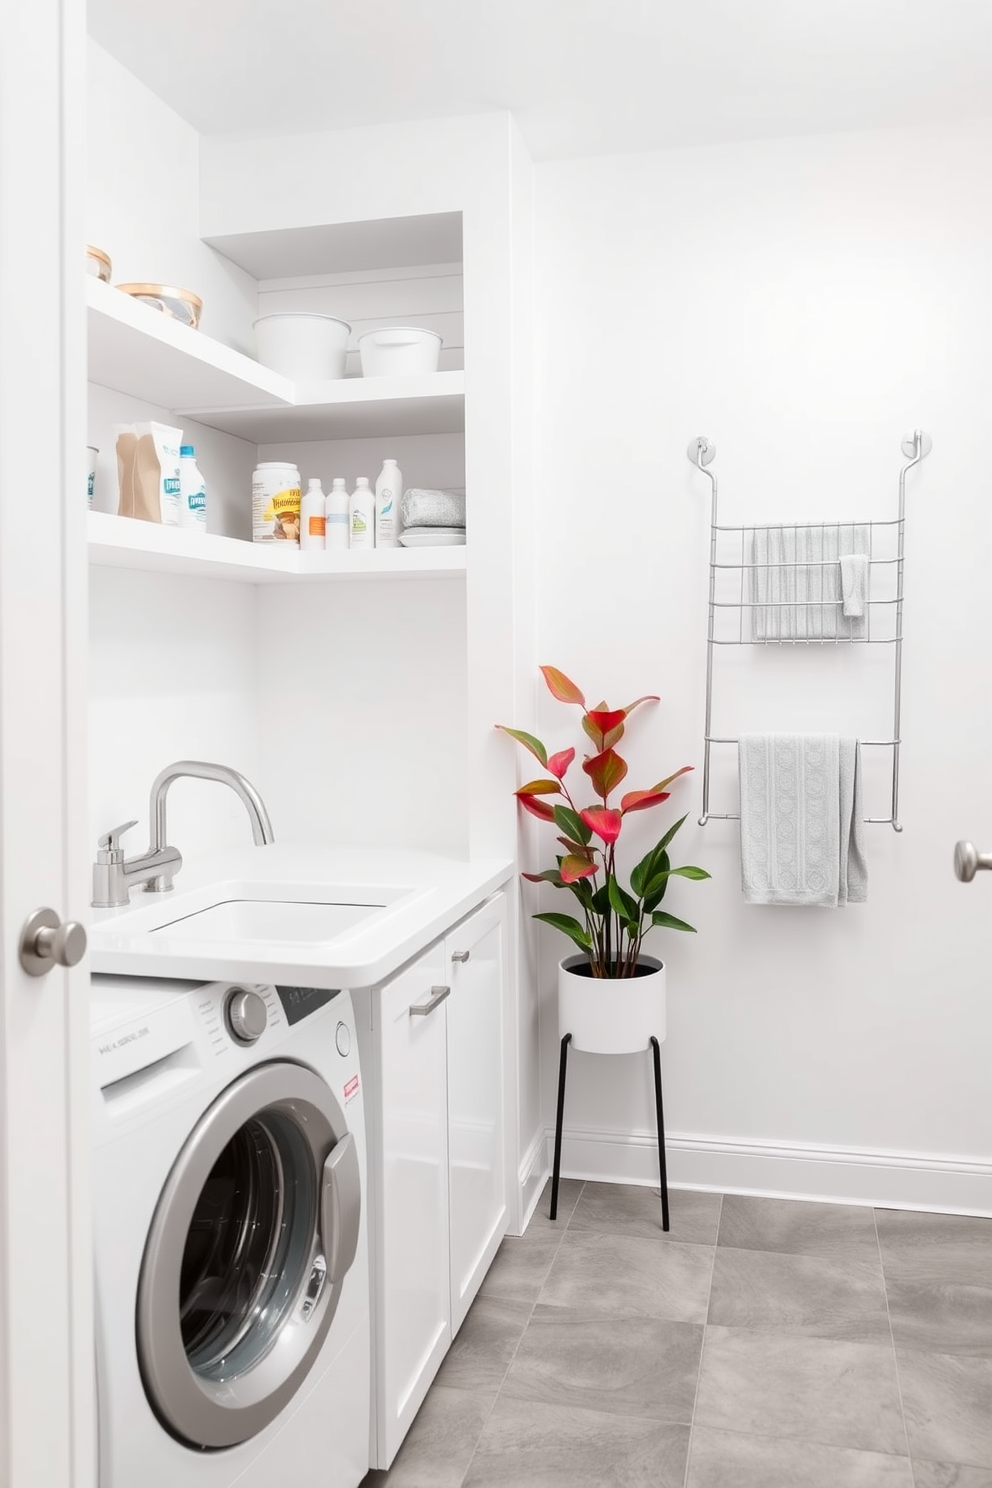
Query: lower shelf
pixel 122 542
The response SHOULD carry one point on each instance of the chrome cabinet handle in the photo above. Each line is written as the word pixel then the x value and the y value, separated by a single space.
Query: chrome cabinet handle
pixel 968 860
pixel 46 942
pixel 460 955
pixel 421 1009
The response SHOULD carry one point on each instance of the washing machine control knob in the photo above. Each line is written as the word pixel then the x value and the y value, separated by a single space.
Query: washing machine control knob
pixel 246 1015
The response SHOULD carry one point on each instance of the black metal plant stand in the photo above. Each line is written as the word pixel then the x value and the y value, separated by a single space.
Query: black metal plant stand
pixel 656 1054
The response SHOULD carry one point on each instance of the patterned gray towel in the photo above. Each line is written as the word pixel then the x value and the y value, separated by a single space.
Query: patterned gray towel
pixel 425 508
pixel 802 828
pixel 795 586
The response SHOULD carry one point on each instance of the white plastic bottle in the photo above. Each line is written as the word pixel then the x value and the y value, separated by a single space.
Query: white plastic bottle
pixel 312 517
pixel 337 512
pixel 388 489
pixel 192 492
pixel 361 511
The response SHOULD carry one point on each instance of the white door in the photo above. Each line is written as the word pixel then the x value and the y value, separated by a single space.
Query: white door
pixel 46 1336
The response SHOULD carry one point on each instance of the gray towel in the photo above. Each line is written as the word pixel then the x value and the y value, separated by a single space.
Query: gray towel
pixel 798 596
pixel 802 829
pixel 854 582
pixel 420 507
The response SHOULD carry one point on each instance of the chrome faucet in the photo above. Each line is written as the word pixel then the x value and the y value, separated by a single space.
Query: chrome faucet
pixel 114 874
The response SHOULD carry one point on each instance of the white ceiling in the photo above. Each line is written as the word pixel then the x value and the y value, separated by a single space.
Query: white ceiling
pixel 582 77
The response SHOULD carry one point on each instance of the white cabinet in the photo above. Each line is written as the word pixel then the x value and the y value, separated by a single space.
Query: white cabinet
pixel 410 1202
pixel 435 1062
pixel 477 1194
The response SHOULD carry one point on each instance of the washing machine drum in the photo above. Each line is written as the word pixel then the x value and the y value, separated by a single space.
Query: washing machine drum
pixel 243 1267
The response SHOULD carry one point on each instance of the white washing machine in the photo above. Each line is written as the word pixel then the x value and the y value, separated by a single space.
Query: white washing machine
pixel 232 1281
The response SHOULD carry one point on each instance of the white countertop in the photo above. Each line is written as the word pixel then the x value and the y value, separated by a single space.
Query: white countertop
pixel 422 895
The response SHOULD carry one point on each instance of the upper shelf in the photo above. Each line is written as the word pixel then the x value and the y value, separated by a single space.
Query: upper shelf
pixel 137 350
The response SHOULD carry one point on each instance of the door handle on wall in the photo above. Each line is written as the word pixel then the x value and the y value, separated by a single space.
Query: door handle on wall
pixel 968 860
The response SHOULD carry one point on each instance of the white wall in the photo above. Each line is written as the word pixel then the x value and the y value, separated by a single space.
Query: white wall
pixel 172 675
pixel 142 203
pixel 804 303
pixel 362 722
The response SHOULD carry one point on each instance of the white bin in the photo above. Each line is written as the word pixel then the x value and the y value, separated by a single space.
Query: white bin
pixel 302 346
pixel 399 351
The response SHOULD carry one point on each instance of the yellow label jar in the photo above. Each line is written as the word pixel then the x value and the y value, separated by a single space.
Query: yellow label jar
pixel 275 503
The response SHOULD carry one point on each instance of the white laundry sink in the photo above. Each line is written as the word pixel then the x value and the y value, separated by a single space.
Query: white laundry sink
pixel 249 913
pixel 296 913
pixel 275 921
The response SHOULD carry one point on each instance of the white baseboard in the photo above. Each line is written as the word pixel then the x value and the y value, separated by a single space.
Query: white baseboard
pixel 532 1175
pixel 844 1175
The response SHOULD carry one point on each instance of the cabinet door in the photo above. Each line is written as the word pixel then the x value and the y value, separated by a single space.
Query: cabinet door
pixel 414 1326
pixel 476 1100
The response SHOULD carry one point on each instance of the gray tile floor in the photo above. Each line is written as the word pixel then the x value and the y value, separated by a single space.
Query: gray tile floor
pixel 760 1344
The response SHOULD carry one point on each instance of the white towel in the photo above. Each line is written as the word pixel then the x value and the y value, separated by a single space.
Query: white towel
pixel 802 833
pixel 795 584
pixel 854 582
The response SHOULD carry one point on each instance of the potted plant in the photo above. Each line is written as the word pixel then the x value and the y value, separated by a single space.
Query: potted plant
pixel 613 920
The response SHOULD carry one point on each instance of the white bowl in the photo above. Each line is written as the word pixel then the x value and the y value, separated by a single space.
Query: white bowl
pixel 302 346
pixel 399 351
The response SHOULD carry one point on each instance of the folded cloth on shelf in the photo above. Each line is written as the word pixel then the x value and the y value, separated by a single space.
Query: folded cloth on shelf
pixel 802 828
pixel 795 582
pixel 854 582
pixel 421 507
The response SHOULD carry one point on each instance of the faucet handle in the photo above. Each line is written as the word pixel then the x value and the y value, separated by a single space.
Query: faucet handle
pixel 110 844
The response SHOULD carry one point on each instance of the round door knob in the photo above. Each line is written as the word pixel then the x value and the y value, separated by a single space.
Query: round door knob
pixel 246 1015
pixel 968 860
pixel 46 942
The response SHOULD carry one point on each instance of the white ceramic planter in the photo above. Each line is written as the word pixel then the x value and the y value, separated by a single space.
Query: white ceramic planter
pixel 611 1016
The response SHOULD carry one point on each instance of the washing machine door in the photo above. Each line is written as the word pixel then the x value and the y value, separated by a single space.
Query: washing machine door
pixel 243 1266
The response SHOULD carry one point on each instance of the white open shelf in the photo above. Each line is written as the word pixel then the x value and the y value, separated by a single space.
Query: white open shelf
pixel 124 542
pixel 136 349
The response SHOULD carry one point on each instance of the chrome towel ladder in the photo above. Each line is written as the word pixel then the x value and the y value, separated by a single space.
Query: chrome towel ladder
pixel 729 554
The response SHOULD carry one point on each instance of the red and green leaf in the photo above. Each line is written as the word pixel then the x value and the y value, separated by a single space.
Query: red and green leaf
pixel 573 868
pixel 579 848
pixel 647 698
pixel 528 741
pixel 539 788
pixel 602 741
pixel 669 778
pixel 537 807
pixel 606 771
pixel 621 902
pixel 605 719
pixel 571 823
pixel 640 800
pixel 550 875
pixel 604 822
pixel 559 763
pixel 570 927
pixel 562 687
pixel 669 922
